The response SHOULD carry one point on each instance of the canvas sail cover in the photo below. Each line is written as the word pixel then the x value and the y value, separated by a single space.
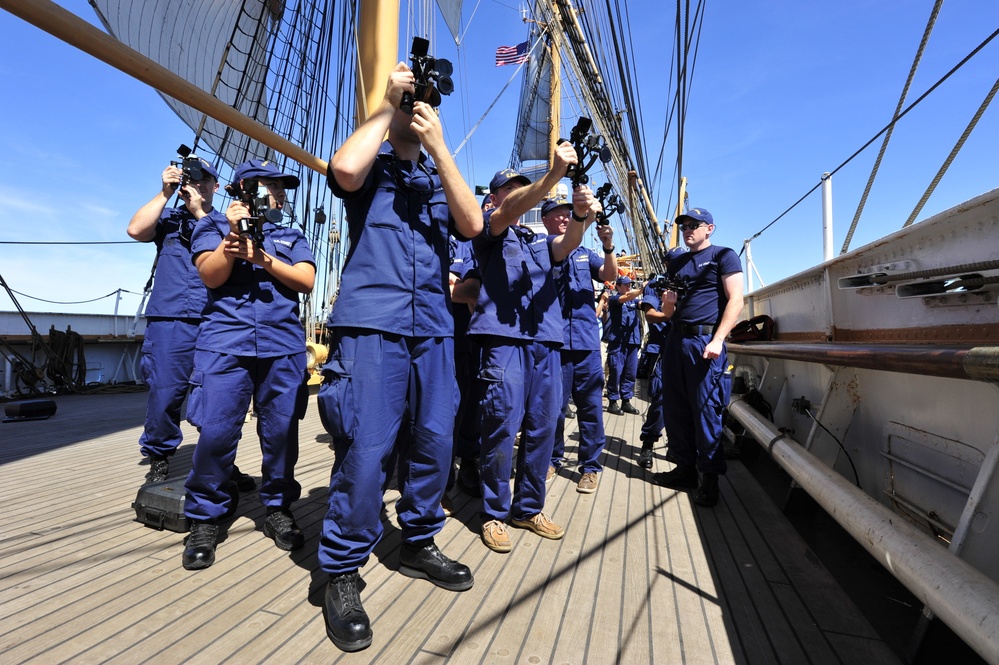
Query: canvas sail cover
pixel 221 46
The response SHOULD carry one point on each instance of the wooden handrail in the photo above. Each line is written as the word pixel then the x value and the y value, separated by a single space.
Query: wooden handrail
pixel 980 363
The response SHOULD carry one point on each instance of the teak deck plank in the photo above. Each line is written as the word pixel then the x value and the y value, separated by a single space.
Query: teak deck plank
pixel 642 574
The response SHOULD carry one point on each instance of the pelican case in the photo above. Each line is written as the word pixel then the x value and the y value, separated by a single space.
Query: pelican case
pixel 36 409
pixel 161 505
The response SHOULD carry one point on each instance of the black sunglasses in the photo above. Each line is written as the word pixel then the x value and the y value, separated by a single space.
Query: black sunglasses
pixel 690 226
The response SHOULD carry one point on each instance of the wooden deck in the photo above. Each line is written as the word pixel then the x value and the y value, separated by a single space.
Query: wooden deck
pixel 642 575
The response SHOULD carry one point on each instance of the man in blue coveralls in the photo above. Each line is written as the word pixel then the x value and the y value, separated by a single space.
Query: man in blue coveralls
pixel 658 327
pixel 623 335
pixel 582 370
pixel 393 346
pixel 518 321
pixel 173 313
pixel 696 389
pixel 251 346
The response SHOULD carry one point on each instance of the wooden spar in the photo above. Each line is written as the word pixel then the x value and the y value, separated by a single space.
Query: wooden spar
pixel 978 363
pixel 674 232
pixel 378 42
pixel 73 30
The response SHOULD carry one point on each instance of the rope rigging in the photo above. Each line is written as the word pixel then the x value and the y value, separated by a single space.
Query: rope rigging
pixel 874 138
pixel 884 144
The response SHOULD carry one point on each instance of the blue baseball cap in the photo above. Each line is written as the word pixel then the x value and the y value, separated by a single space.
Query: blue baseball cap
pixel 207 167
pixel 697 214
pixel 505 176
pixel 265 168
pixel 624 279
pixel 550 204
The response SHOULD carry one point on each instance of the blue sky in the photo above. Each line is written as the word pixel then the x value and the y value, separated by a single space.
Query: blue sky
pixel 781 92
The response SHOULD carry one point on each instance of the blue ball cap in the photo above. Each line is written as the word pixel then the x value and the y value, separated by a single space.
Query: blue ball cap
pixel 208 168
pixel 550 204
pixel 624 279
pixel 697 214
pixel 505 176
pixel 264 168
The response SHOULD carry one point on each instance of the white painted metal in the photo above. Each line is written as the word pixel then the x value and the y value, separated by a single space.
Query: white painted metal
pixel 827 217
pixel 959 594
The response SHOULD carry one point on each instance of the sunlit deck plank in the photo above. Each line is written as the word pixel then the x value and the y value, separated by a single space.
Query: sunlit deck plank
pixel 642 574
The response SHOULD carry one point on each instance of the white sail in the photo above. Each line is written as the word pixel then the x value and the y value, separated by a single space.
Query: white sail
pixel 221 46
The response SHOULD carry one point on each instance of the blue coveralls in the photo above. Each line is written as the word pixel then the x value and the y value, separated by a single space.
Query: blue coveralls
pixel 519 324
pixel 466 361
pixel 652 427
pixel 251 346
pixel 173 315
pixel 623 336
pixel 582 371
pixel 392 357
pixel 695 390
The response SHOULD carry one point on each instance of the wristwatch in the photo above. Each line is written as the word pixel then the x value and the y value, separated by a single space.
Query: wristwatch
pixel 610 250
pixel 577 218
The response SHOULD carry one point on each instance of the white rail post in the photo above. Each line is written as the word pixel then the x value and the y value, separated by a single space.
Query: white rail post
pixel 827 217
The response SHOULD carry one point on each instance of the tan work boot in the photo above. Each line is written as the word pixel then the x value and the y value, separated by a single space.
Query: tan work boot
pixel 541 525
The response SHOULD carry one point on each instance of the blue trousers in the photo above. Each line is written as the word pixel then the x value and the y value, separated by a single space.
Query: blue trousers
pixel 652 428
pixel 222 387
pixel 583 378
pixel 695 393
pixel 522 391
pixel 466 422
pixel 622 367
pixel 375 382
pixel 166 364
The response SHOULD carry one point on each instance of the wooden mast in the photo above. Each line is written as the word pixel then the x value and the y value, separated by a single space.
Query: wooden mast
pixel 377 45
pixel 555 92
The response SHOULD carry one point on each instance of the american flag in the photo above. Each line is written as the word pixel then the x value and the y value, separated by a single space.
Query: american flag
pixel 513 55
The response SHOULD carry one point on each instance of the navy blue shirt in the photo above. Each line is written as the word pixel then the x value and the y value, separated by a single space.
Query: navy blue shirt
pixel 657 331
pixel 178 292
pixel 705 298
pixel 574 280
pixel 518 299
pixel 253 314
pixel 623 324
pixel 395 278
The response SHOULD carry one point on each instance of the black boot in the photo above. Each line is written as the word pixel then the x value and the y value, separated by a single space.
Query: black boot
pixel 468 477
pixel 613 407
pixel 199 551
pixel 159 470
pixel 627 407
pixel 244 481
pixel 683 477
pixel 707 491
pixel 423 560
pixel 280 525
pixel 347 624
pixel 645 457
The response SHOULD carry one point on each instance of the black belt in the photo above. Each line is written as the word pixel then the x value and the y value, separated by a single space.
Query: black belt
pixel 694 329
